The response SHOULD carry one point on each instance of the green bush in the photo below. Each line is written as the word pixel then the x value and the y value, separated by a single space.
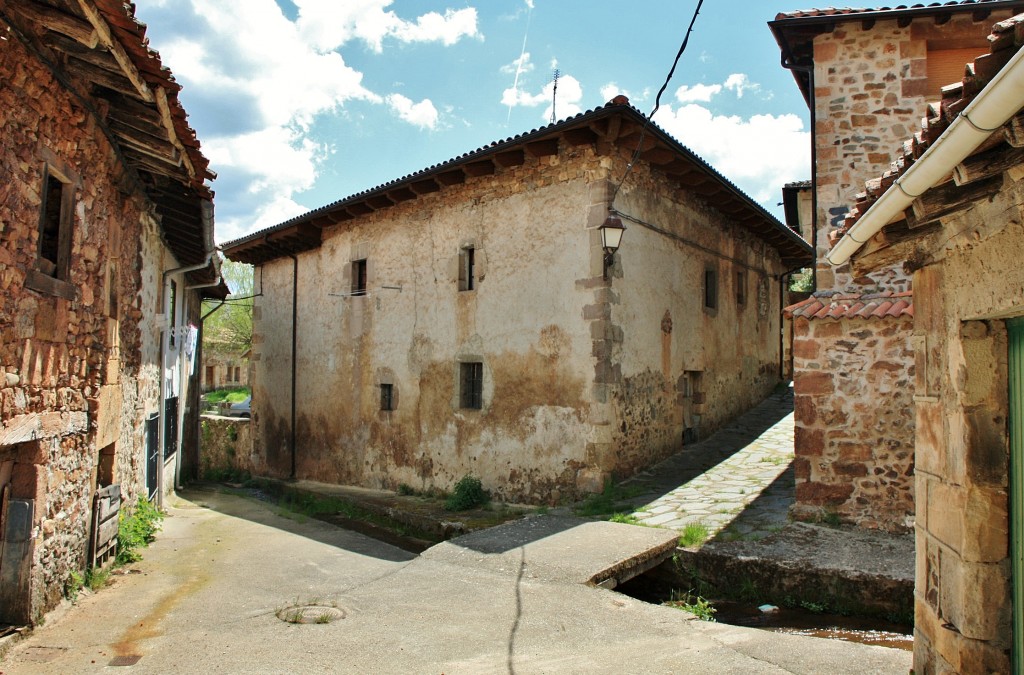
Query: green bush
pixel 468 493
pixel 137 530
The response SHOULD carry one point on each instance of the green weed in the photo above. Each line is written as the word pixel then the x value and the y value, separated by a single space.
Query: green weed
pixel 694 534
pixel 612 499
pixel 627 518
pixel 137 530
pixel 694 604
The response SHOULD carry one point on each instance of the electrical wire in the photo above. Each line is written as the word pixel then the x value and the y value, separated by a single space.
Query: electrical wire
pixel 657 102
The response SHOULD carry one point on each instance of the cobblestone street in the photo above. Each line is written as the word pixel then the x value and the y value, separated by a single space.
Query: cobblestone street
pixel 738 482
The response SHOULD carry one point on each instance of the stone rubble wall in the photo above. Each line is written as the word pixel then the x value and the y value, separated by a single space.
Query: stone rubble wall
pixel 854 422
pixel 79 373
pixel 226 448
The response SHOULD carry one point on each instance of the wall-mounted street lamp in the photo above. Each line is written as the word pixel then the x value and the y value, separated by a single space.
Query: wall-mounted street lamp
pixel 611 237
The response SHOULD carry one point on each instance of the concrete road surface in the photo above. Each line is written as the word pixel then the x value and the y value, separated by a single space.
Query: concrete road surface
pixel 213 589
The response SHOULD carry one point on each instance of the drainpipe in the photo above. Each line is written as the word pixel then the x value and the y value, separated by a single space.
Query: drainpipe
pixel 295 324
pixel 1000 100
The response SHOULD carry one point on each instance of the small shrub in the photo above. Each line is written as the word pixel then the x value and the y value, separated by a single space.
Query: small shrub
pixel 627 518
pixel 468 493
pixel 137 530
pixel 232 433
pixel 406 490
pixel 74 586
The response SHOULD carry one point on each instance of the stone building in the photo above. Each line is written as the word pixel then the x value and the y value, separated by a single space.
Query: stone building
pixel 866 75
pixel 950 211
pixel 465 319
pixel 223 368
pixel 105 246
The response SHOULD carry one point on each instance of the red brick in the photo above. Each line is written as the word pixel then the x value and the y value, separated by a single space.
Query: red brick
pixel 806 349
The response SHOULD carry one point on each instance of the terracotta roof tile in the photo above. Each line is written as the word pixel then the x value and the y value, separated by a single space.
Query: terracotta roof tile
pixel 828 305
pixel 1006 38
pixel 844 11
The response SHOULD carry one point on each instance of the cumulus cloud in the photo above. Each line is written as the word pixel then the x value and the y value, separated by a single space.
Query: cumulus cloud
pixel 760 153
pixel 697 93
pixel 518 66
pixel 422 114
pixel 570 93
pixel 740 83
pixel 281 76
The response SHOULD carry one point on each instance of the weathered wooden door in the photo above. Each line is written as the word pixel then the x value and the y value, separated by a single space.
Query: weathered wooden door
pixel 1015 328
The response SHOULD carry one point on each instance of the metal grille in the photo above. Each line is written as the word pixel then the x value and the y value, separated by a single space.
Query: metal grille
pixel 170 426
pixel 387 401
pixel 471 389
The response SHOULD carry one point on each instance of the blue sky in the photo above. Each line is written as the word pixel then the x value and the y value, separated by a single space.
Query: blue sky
pixel 299 103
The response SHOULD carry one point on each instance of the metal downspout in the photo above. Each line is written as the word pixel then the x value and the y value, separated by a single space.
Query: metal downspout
pixel 295 325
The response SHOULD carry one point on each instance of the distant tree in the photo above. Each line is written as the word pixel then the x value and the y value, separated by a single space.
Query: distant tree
pixel 229 329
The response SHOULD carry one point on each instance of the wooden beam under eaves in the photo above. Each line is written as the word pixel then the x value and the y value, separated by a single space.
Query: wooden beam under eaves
pixel 456 177
pixel 404 194
pixel 117 50
pixel 60 22
pixel 380 201
pixel 658 156
pixel 510 158
pixel 544 148
pixel 481 168
pixel 582 136
pixel 426 186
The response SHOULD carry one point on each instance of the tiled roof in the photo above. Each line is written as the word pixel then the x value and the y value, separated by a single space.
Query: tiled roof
pixel 829 305
pixel 841 12
pixel 1006 38
pixel 302 233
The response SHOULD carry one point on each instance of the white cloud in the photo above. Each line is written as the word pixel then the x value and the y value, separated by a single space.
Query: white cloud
pixel 740 83
pixel 697 93
pixel 422 114
pixel 570 93
pixel 760 153
pixel 278 76
pixel 518 66
pixel 330 24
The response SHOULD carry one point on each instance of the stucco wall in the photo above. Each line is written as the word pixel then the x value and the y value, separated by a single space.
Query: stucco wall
pixel 854 421
pixel 582 375
pixel 78 374
pixel 963 569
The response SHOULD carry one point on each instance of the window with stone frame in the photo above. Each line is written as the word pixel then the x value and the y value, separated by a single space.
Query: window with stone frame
pixel 387 397
pixel 359 277
pixel 55 223
pixel 710 289
pixel 467 268
pixel 471 385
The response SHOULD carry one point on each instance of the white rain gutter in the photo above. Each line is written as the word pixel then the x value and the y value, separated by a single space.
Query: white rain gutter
pixel 1000 100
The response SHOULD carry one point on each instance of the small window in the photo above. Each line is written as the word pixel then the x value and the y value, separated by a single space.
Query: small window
pixel 387 397
pixel 710 289
pixel 471 385
pixel 55 227
pixel 238 374
pixel 359 277
pixel 741 288
pixel 467 263
pixel 209 376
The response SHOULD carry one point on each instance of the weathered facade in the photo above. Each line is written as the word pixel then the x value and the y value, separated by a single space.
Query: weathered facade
pixel 866 75
pixel 102 203
pixel 962 240
pixel 462 320
pixel 221 369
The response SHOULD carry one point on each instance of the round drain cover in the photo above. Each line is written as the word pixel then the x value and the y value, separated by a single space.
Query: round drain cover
pixel 310 613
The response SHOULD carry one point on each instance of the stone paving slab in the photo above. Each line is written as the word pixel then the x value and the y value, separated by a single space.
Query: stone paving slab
pixel 561 548
pixel 737 483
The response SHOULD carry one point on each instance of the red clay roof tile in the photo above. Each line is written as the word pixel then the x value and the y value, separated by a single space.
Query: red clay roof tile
pixel 828 305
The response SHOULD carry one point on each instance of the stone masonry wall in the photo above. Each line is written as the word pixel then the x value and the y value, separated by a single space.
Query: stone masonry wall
pixel 68 367
pixel 225 447
pixel 854 420
pixel 870 86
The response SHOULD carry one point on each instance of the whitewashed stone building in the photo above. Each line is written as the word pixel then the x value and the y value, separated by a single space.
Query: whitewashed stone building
pixel 465 319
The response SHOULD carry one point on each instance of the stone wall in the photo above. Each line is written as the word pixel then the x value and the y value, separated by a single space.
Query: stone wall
pixel 964 587
pixel 854 421
pixel 79 356
pixel 870 86
pixel 583 377
pixel 225 448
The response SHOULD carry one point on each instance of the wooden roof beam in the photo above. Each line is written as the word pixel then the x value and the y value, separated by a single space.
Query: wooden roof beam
pixel 581 136
pixel 545 148
pixel 510 158
pixel 481 168
pixel 60 22
pixel 402 194
pixel 425 186
pixel 380 201
pixel 659 156
pixel 456 177
pixel 358 208
pixel 107 39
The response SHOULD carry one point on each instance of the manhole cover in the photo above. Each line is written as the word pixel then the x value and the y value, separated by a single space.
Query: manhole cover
pixel 310 613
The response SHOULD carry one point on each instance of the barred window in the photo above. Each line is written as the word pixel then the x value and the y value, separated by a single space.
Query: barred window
pixel 471 385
